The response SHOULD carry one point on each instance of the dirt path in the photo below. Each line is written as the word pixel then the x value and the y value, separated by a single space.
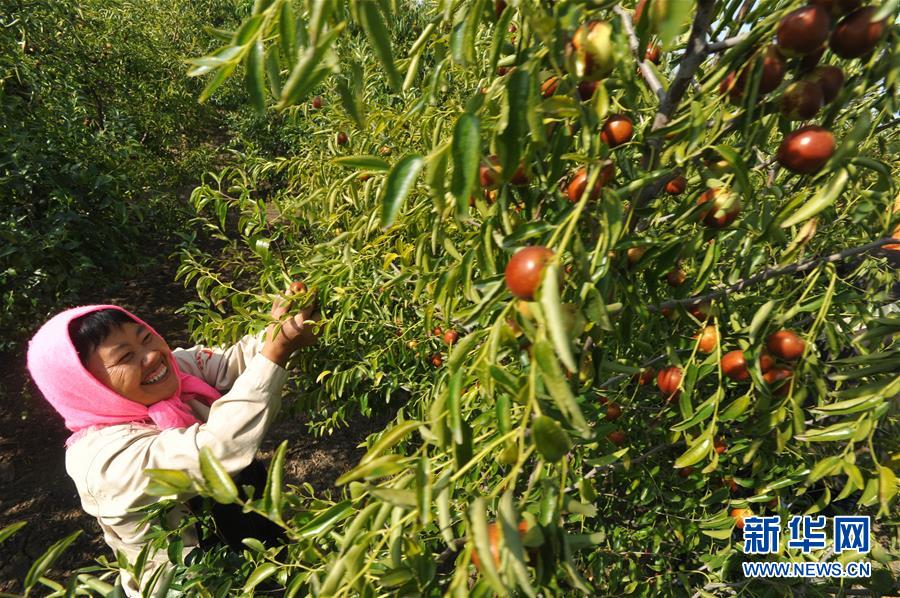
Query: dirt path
pixel 35 487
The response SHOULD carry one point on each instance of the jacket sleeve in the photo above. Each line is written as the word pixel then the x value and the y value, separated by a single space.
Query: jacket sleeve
pixel 220 366
pixel 238 421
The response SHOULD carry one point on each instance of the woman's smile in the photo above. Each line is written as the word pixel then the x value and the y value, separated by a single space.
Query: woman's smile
pixel 158 375
pixel 135 363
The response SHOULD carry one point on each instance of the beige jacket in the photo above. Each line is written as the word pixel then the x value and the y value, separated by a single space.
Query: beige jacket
pixel 107 464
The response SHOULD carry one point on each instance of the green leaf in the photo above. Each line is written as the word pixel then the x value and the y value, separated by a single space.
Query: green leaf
pixel 551 440
pixel 424 489
pixel 379 38
pixel 826 467
pixel 308 71
pixel 389 438
pixel 260 574
pixel 400 182
pixel 11 529
pixel 453 407
pixel 509 527
pixel 375 468
pixel 512 138
pixel 826 196
pixel 887 488
pixel 466 151
pixel 553 311
pixel 272 492
pixel 474 12
pixel 760 318
pixel 287 33
pixel 851 405
pixel 841 431
pixel 220 484
pixel 273 73
pixel 247 30
pixel 445 522
pixel 218 79
pixel 167 481
pixel 363 162
pixel 325 520
pixel 479 532
pixel 499 38
pixel 46 560
pixel 695 452
pixel 255 79
pixel 557 385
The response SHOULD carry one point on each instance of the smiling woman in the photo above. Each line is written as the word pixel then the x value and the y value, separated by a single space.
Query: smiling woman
pixel 125 356
pixel 133 403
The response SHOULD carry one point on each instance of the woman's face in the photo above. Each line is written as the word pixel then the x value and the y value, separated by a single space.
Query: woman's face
pixel 135 363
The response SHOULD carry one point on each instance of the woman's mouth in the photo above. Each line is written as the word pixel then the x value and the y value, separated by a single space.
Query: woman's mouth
pixel 160 374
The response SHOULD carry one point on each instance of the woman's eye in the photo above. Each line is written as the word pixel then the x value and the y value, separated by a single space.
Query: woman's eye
pixel 126 357
pixel 146 339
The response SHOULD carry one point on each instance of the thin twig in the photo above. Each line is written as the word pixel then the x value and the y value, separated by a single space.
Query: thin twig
pixel 772 273
pixel 593 472
pixel 647 72
pixel 695 53
pixel 713 47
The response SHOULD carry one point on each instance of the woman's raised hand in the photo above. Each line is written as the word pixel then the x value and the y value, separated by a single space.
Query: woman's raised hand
pixel 287 334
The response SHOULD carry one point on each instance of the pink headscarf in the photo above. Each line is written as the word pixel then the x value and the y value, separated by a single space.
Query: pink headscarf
pixel 83 401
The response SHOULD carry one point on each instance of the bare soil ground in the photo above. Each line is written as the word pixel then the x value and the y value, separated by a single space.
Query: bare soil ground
pixel 34 486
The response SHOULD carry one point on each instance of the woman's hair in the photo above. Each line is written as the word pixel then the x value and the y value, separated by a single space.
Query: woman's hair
pixel 90 330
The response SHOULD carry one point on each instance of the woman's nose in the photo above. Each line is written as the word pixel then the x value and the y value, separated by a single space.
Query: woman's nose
pixel 152 357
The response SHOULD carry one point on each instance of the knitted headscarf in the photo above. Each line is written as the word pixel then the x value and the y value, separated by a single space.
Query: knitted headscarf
pixel 83 401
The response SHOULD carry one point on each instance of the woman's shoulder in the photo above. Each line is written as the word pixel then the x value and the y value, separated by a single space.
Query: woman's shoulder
pixel 100 438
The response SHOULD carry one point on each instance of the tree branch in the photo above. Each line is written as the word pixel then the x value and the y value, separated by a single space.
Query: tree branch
pixel 648 74
pixel 725 44
pixel 772 273
pixel 695 53
pixel 593 472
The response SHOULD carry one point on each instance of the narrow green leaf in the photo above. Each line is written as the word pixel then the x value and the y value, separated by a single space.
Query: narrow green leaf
pixel 550 302
pixel 11 529
pixel 379 38
pixel 274 482
pixel 479 532
pixel 363 162
pixel 389 438
pixel 287 33
pixel 260 574
pixel 46 560
pixel 551 440
pixel 325 520
pixel 445 522
pixel 509 526
pixel 466 151
pixel 376 468
pixel 217 80
pixel 255 79
pixel 247 30
pixel 558 387
pixel 512 138
pixel 308 70
pixel 273 73
pixel 695 452
pixel 826 196
pixel 220 484
pixel 499 38
pixel 424 489
pixel 168 481
pixel 400 182
pixel 473 13
pixel 841 431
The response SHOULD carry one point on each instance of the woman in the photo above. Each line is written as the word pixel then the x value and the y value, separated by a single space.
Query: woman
pixel 133 403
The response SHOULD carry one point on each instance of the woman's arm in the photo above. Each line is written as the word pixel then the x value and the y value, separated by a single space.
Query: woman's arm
pixel 219 366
